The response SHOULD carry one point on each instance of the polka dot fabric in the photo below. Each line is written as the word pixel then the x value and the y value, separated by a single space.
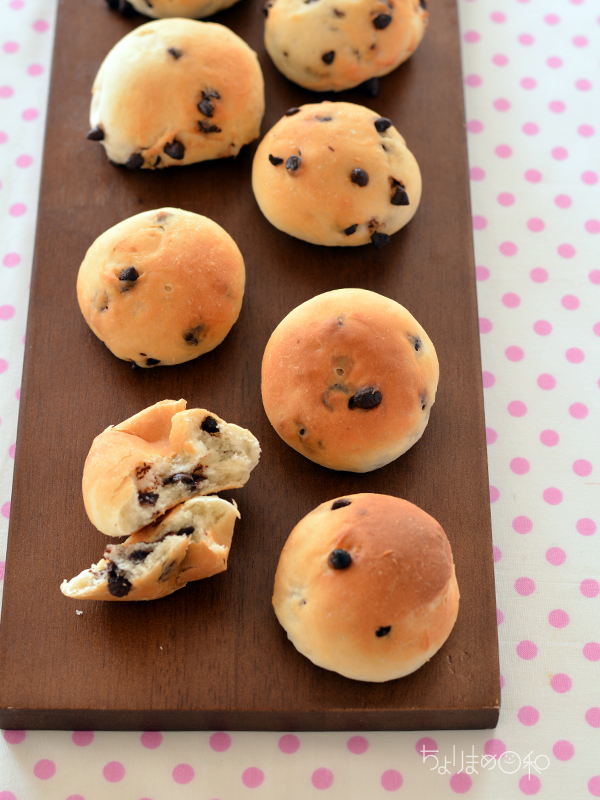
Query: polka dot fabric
pixel 533 126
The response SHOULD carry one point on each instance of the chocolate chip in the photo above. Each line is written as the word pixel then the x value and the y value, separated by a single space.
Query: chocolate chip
pixel 417 343
pixel 147 498
pixel 210 425
pixel 400 198
pixel 366 398
pixel 265 9
pixel 206 128
pixel 96 134
pixel 175 150
pixel 135 161
pixel 339 559
pixel 185 531
pixel 118 585
pixel 352 229
pixel 129 274
pixel 205 106
pixel 327 58
pixel 113 4
pixel 139 555
pixel 293 163
pixel 152 362
pixel 324 119
pixel 423 4
pixel 275 160
pixel 194 335
pixel 423 402
pixel 173 51
pixel 291 111
pixel 380 239
pixel 382 124
pixel 369 88
pixel 381 21
pixel 359 177
pixel 340 503
pixel 157 162
pixel 383 631
pixel 134 365
pixel 126 9
pixel 211 93
pixel 181 477
pixel 339 14
pixel 302 431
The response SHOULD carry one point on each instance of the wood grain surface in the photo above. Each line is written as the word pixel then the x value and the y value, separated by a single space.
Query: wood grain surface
pixel 213 655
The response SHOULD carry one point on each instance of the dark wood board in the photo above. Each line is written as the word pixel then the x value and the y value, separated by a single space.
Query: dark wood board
pixel 213 655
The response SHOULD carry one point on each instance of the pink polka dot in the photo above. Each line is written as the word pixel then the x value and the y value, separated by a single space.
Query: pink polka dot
pixel 514 353
pixel 497 554
pixel 78 797
pixel 582 468
pixel 561 683
pixel 6 795
pixel 535 224
pixel 585 130
pixel 40 25
pixel 30 114
pixel 562 200
pixel 546 382
pixel 528 83
pixel 220 741
pixel 183 773
pixel 594 786
pixel 114 771
pixel 499 60
pixel 542 327
pixel 479 223
pixel 289 743
pixel 499 617
pixel 560 153
pixel 24 161
pixel 7 312
pixel 549 438
pixel 82 738
pixel 506 199
pixel 533 176
pixel 426 745
pixel 583 85
pixel 527 650
pixel 322 778
pixel 530 129
pixel 3 365
pixel 552 19
pixel 580 41
pixel 357 745
pixel 570 302
pixel 18 394
pixel 520 466
pixel 539 275
pixel 511 300
pixel 490 436
pixel 591 651
pixel 586 526
pixel 502 681
pixel 592 226
pixel 488 380
pixel 474 126
pixel 498 16
pixel 563 750
pixel 508 248
pixel 471 37
pixel 460 782
pixel 17 210
pixel 494 748
pixel 503 151
pixel 473 80
pixel 391 780
pixel 35 69
pixel 494 494
pixel 554 62
pixel 524 586
pixel 151 739
pixel 557 106
pixel 578 411
pixel 11 450
pixel 530 784
pixel 482 273
pixel 558 618
pixel 2 566
pixel 10 47
pixel 522 524
pixel 556 556
pixel 11 259
pixel 14 737
pixel 501 104
pixel 6 91
pixel 485 325
pixel 589 177
pixel 5 510
pixel 528 715
pixel 592 717
pixel 574 355
pixel 516 408
pixel 589 587
pixel 476 174
pixel 596 329
pixel 526 39
pixel 44 769
pixel 3 137
pixel 552 496
pixel 253 777
pixel 16 4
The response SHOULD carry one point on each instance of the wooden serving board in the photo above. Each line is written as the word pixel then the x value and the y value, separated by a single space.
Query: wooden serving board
pixel 213 656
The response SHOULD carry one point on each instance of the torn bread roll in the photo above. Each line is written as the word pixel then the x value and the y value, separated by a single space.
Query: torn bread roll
pixel 157 459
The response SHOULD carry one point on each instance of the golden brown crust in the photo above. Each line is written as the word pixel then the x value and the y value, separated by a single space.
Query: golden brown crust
pixel 401 577
pixel 191 9
pixel 329 349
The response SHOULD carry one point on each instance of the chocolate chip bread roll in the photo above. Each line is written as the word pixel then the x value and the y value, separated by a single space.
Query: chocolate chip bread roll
pixel 331 45
pixel 348 380
pixel 162 287
pixel 365 586
pixel 191 9
pixel 336 174
pixel 174 92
